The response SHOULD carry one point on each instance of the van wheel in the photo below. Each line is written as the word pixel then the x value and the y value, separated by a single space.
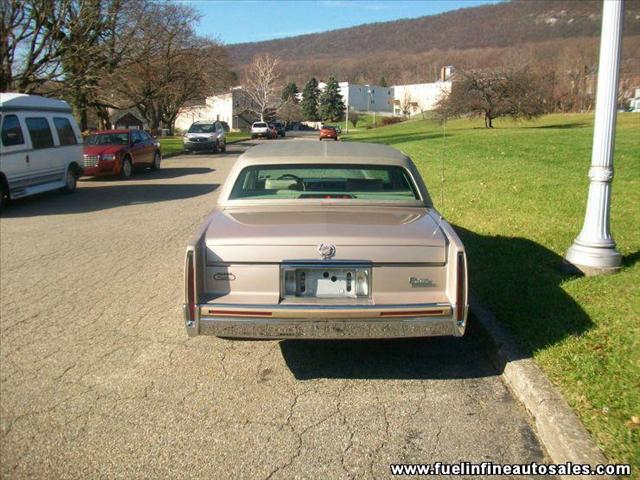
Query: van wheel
pixel 156 161
pixel 70 181
pixel 216 147
pixel 127 168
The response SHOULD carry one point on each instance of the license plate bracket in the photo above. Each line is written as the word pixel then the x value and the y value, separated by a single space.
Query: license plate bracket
pixel 324 281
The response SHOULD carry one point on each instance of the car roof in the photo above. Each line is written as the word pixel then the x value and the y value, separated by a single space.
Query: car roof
pixel 120 130
pixel 21 101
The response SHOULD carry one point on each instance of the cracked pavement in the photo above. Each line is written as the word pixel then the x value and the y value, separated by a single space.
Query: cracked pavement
pixel 98 378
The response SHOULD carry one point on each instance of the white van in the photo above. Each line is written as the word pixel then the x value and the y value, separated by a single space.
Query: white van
pixel 40 146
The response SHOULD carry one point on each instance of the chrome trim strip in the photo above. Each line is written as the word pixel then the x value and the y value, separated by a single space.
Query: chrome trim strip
pixel 348 262
pixel 4 150
pixel 407 306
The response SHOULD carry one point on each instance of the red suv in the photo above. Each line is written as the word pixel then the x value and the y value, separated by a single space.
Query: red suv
pixel 118 152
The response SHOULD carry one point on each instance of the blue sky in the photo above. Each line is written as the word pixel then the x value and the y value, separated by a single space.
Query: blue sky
pixel 256 20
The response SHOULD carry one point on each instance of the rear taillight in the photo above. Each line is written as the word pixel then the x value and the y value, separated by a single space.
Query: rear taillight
pixel 191 287
pixel 460 288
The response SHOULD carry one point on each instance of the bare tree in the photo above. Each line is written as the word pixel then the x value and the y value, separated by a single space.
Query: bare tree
pixel 30 43
pixel 290 111
pixel 494 94
pixel 260 84
pixel 173 65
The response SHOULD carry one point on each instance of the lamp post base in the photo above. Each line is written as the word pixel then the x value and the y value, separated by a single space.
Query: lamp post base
pixel 592 261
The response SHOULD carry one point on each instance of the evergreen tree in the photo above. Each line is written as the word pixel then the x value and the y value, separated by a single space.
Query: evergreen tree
pixel 383 82
pixel 331 103
pixel 309 103
pixel 290 92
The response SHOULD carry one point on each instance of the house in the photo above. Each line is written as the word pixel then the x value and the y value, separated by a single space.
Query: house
pixel 127 119
pixel 231 107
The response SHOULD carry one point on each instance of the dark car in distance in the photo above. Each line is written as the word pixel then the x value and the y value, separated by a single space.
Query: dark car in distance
pixel 119 152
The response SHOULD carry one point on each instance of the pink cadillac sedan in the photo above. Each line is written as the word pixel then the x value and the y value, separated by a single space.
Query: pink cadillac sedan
pixel 325 240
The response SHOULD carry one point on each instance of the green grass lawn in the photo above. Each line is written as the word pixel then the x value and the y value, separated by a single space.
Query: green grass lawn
pixel 173 145
pixel 517 196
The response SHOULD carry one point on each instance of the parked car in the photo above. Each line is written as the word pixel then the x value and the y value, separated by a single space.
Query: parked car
pixel 280 128
pixel 260 130
pixel 325 241
pixel 327 132
pixel 203 136
pixel 120 152
pixel 41 146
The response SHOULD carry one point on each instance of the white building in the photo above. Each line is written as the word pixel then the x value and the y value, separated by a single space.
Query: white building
pixel 634 104
pixel 228 107
pixel 231 107
pixel 364 98
pixel 419 97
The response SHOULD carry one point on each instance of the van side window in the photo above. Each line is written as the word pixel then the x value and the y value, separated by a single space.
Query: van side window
pixel 39 132
pixel 65 131
pixel 11 131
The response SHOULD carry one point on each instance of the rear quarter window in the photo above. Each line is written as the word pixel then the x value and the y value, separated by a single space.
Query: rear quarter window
pixel 40 132
pixel 66 135
pixel 11 131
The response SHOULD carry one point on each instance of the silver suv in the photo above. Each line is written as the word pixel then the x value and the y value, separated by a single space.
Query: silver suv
pixel 205 136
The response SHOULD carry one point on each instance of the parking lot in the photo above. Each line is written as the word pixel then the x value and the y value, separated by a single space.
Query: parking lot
pixel 99 379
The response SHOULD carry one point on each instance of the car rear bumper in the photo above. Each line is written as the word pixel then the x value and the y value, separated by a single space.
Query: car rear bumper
pixel 400 321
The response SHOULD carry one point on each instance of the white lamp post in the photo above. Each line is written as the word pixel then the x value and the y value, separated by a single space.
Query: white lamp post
pixel 594 251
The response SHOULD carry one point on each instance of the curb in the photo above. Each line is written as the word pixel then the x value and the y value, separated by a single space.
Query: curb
pixel 558 427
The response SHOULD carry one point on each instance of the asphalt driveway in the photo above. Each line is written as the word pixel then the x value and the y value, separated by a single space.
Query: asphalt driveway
pixel 98 377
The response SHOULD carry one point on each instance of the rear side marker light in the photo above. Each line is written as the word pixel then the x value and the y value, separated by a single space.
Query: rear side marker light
pixel 460 288
pixel 191 287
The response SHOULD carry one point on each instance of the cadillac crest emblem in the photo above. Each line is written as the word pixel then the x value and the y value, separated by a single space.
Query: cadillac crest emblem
pixel 326 250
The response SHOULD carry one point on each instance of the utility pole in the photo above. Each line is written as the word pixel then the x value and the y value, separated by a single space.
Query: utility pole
pixel 594 252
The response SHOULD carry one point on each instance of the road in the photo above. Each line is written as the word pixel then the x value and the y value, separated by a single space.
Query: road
pixel 99 379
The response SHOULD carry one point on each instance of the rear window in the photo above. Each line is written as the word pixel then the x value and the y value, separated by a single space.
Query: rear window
pixel 11 131
pixel 39 132
pixel 324 181
pixel 65 131
pixel 259 125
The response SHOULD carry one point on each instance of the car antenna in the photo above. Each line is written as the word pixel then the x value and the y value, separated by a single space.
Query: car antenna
pixel 444 142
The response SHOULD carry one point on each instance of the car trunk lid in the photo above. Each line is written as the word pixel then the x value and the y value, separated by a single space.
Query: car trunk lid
pixel 359 234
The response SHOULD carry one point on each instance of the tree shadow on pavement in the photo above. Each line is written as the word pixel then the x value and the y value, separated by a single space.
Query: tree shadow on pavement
pixel 96 198
pixel 518 279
